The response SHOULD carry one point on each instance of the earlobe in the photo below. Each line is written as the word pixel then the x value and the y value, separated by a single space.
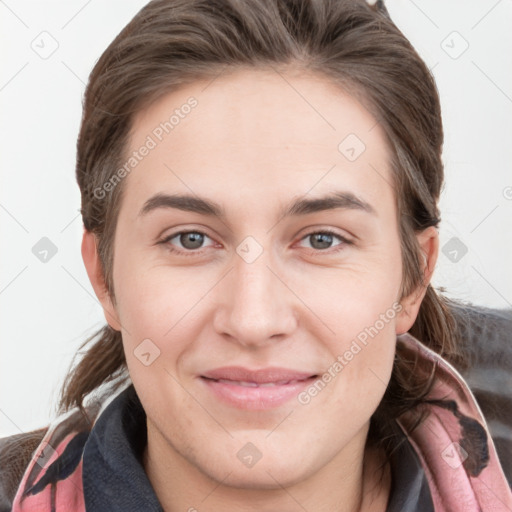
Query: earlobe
pixel 95 272
pixel 428 241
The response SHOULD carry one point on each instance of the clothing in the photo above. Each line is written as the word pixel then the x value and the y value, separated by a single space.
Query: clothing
pixel 113 478
pixel 447 464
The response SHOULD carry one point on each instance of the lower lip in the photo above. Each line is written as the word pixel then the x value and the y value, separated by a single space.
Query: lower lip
pixel 256 398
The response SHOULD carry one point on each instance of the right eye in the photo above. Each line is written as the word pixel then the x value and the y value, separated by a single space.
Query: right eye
pixel 190 241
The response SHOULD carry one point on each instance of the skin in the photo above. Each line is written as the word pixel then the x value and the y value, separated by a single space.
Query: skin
pixel 253 145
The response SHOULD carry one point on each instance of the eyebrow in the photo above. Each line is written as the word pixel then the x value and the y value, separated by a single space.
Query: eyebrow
pixel 334 200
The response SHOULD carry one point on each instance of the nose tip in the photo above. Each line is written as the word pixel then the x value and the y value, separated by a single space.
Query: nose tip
pixel 256 306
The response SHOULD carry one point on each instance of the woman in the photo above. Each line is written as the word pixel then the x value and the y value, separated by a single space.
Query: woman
pixel 259 194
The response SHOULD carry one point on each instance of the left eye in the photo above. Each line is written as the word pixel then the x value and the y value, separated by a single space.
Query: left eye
pixel 323 239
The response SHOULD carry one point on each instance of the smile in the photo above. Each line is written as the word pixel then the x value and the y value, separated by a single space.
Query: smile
pixel 250 395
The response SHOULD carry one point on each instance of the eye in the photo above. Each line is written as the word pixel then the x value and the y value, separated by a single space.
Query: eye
pixel 322 240
pixel 190 241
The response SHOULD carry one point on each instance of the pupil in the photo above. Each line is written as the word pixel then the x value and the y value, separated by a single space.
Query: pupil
pixel 324 240
pixel 191 240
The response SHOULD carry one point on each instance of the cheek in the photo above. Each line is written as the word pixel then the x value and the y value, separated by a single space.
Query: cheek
pixel 158 309
pixel 353 384
pixel 150 300
pixel 350 299
pixel 360 306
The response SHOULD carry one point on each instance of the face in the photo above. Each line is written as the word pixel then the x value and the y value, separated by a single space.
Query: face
pixel 284 258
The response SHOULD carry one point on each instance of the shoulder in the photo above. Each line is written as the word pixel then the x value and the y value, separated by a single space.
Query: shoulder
pixel 15 454
pixel 486 339
pixel 66 435
pixel 486 334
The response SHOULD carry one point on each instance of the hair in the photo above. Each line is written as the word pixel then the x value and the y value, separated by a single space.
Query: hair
pixel 172 43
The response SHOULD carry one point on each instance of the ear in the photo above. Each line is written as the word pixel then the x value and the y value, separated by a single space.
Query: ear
pixel 428 241
pixel 94 269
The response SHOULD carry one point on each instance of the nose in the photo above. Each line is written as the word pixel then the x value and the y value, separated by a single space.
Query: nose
pixel 255 305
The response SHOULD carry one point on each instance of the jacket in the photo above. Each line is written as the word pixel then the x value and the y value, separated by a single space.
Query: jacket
pixel 458 459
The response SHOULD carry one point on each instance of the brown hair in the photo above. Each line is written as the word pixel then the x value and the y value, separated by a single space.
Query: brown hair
pixel 171 43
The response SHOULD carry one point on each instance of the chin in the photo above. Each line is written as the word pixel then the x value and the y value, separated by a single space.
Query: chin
pixel 271 475
pixel 273 470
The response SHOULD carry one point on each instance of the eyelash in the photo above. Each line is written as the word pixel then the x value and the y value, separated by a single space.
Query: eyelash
pixel 193 252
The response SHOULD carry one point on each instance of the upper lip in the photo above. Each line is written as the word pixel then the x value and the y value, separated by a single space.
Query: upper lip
pixel 261 376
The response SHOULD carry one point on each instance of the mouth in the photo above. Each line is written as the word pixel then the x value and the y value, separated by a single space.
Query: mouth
pixel 256 390
pixel 259 384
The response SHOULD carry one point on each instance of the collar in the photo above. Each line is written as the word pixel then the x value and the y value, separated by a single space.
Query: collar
pixel 113 476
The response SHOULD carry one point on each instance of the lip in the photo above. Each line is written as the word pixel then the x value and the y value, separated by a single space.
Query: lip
pixel 260 389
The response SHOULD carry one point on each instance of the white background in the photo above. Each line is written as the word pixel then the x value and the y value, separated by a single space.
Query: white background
pixel 47 309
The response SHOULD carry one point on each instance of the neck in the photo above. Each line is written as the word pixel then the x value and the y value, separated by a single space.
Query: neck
pixel 348 487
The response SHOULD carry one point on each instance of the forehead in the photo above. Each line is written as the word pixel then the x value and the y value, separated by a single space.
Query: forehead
pixel 253 128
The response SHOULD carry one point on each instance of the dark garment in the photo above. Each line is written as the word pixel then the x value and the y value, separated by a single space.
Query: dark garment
pixel 114 478
pixel 113 475
pixel 409 485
